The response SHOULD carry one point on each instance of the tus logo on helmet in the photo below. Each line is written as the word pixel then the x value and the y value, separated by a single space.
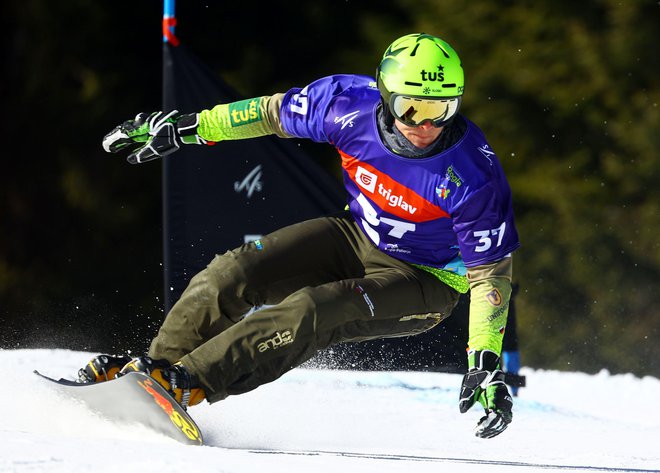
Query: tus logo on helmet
pixel 433 76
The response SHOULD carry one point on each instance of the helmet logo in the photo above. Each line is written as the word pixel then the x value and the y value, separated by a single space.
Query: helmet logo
pixel 438 76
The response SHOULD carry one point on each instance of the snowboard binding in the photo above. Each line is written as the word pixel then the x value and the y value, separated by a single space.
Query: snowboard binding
pixel 102 368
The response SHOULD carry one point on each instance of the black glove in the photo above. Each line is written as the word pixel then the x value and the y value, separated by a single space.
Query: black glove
pixel 484 382
pixel 157 135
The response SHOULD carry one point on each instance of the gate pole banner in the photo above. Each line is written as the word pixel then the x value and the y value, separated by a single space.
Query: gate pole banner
pixel 217 198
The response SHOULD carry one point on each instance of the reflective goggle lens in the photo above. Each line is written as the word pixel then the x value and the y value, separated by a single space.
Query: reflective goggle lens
pixel 413 111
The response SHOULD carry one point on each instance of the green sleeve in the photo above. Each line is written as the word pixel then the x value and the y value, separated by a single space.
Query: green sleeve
pixel 249 118
pixel 490 292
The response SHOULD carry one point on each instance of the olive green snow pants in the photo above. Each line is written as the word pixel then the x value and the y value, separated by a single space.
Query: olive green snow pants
pixel 322 282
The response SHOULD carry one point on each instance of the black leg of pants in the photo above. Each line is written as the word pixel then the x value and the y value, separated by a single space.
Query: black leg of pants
pixel 323 282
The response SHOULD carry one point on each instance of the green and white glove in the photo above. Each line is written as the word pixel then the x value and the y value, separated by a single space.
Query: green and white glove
pixel 156 135
pixel 484 382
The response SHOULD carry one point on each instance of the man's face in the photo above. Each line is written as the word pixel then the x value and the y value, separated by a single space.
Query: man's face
pixel 420 136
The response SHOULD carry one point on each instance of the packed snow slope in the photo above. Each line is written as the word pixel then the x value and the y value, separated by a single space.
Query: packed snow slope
pixel 323 421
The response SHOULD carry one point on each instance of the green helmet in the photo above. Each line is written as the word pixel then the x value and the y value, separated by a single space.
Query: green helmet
pixel 424 70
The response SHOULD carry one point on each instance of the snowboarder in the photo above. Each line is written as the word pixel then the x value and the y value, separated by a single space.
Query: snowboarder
pixel 429 217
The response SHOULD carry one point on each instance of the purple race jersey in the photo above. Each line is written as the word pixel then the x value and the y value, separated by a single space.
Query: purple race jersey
pixel 449 210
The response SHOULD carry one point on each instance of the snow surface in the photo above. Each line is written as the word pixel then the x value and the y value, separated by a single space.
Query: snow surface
pixel 324 421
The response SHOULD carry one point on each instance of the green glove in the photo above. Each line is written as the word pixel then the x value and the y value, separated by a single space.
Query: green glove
pixel 484 382
pixel 156 135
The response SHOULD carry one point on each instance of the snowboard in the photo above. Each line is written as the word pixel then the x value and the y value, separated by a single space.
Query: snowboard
pixel 134 398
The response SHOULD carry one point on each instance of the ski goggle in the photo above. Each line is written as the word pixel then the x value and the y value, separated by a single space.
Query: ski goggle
pixel 413 111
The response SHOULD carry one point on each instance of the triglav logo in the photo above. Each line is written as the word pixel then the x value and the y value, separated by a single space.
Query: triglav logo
pixel 395 200
pixel 347 120
pixel 366 179
pixel 251 183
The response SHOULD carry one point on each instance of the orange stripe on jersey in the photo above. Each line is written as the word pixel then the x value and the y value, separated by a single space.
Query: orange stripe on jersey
pixel 388 194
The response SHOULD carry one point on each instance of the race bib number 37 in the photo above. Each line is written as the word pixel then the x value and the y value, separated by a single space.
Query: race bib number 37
pixel 488 237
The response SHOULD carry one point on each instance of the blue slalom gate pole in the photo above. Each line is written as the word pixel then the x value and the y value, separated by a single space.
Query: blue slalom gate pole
pixel 169 22
pixel 170 41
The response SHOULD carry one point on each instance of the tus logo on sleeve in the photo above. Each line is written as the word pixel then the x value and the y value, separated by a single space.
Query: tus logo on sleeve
pixel 244 112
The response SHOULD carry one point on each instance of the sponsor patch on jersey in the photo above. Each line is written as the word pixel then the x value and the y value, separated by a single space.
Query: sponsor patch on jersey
pixel 390 195
pixel 454 176
pixel 443 191
pixel 365 179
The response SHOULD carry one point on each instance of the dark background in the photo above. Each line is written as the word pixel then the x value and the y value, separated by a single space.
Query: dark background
pixel 567 93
